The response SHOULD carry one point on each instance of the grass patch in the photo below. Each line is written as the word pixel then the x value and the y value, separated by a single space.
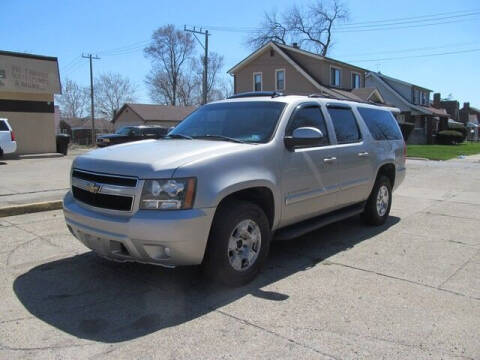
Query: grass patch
pixel 443 152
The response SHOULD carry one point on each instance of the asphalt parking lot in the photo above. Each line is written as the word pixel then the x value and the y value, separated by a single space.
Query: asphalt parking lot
pixel 406 290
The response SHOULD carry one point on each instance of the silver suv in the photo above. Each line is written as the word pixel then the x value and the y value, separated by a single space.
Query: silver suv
pixel 234 175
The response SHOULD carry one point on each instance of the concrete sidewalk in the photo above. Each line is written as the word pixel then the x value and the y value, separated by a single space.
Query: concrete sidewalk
pixel 407 290
pixel 27 179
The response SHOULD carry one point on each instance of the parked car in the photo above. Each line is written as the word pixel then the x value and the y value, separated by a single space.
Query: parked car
pixel 8 144
pixel 234 175
pixel 131 133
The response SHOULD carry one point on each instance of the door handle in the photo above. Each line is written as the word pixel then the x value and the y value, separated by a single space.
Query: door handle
pixel 363 154
pixel 329 160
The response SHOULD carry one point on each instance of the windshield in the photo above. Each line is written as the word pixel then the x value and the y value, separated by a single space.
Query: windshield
pixel 252 121
pixel 123 131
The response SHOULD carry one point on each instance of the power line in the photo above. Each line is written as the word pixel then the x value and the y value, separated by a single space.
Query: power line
pixel 418 22
pixel 391 24
pixel 125 48
pixel 412 17
pixel 419 56
pixel 410 49
pixel 75 68
pixel 405 27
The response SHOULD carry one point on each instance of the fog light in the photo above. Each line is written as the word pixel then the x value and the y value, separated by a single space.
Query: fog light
pixel 157 252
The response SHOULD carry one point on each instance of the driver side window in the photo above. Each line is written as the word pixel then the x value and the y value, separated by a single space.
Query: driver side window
pixel 309 116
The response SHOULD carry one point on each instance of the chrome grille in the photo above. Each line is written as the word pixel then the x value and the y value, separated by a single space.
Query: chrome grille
pixel 104 191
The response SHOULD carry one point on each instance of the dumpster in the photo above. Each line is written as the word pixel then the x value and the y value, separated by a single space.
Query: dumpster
pixel 62 143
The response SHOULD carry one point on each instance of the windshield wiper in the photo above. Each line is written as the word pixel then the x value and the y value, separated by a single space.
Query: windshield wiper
pixel 219 137
pixel 179 136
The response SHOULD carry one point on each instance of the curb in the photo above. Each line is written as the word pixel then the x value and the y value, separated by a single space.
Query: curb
pixel 30 208
pixel 417 158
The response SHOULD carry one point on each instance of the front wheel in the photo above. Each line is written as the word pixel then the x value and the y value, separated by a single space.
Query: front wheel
pixel 379 203
pixel 238 244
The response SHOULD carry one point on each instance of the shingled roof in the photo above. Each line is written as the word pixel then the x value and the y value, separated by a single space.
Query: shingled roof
pixel 153 112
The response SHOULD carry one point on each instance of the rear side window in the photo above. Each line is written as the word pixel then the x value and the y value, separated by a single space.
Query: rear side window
pixel 345 124
pixel 309 116
pixel 381 124
pixel 3 126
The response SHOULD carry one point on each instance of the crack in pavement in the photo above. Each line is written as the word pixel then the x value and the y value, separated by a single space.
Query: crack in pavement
pixel 375 338
pixel 402 279
pixel 246 322
pixel 51 347
pixel 459 269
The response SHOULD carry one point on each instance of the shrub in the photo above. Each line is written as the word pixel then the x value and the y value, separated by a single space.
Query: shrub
pixel 450 137
pixel 407 129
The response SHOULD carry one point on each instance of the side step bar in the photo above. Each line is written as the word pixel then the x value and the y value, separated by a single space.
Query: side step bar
pixel 304 227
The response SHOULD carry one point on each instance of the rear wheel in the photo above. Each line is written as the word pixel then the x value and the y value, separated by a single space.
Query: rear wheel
pixel 238 244
pixel 379 203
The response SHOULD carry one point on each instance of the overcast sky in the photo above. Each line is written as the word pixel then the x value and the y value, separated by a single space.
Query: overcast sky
pixel 440 51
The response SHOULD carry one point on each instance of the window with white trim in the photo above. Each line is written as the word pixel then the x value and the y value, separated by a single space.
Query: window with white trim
pixel 335 74
pixel 280 79
pixel 257 81
pixel 355 80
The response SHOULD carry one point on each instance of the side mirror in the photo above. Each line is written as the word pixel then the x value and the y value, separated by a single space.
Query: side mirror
pixel 303 137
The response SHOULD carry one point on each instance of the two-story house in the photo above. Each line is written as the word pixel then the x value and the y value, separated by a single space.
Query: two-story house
pixel 291 70
pixel 414 104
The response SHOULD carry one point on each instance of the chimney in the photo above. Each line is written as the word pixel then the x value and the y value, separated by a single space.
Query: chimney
pixel 465 112
pixel 436 100
pixel 295 45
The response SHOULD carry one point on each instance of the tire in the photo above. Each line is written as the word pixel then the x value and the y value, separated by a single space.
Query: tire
pixel 231 265
pixel 377 215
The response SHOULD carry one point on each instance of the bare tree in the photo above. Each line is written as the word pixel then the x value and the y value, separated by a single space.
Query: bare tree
pixel 215 65
pixel 169 50
pixel 112 90
pixel 189 89
pixel 159 87
pixel 311 26
pixel 271 29
pixel 227 88
pixel 74 100
pixel 222 90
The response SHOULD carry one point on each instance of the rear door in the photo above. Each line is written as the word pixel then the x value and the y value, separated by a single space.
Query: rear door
pixel 309 178
pixel 355 163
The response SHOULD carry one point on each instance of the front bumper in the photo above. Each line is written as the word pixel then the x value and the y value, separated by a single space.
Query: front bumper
pixel 168 238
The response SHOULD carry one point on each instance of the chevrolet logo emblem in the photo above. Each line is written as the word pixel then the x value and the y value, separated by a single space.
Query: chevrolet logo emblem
pixel 93 188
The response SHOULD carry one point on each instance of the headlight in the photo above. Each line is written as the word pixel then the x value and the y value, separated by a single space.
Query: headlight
pixel 168 194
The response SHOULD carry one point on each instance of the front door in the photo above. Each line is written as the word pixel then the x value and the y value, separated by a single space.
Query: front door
pixel 309 178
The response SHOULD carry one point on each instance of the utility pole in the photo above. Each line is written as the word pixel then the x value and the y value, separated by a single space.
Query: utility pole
pixel 204 45
pixel 92 106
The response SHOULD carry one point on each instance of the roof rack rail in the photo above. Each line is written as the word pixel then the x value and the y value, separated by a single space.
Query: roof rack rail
pixel 317 95
pixel 272 94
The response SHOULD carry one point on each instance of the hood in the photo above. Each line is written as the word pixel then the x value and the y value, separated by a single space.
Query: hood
pixel 151 158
